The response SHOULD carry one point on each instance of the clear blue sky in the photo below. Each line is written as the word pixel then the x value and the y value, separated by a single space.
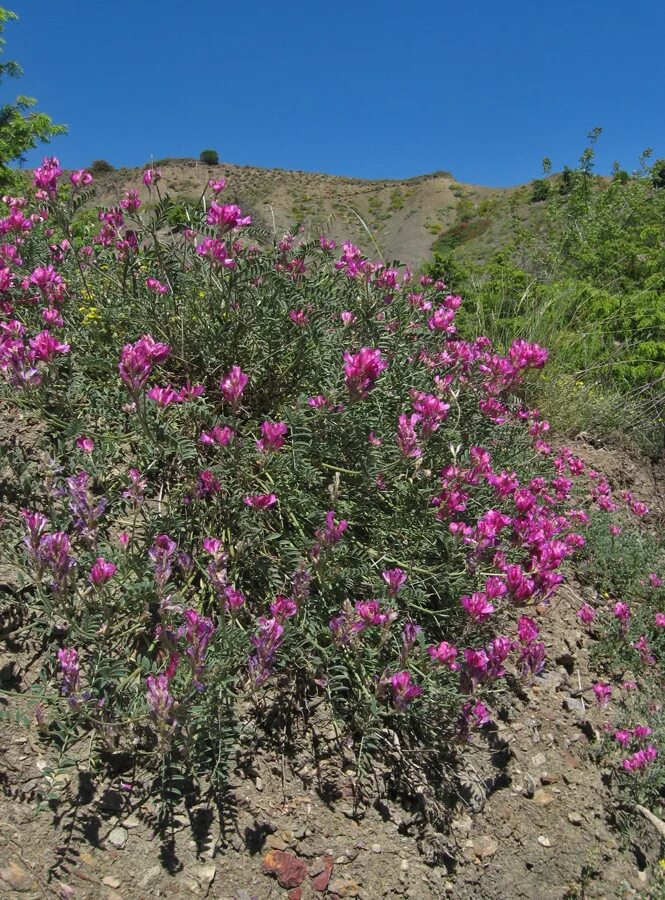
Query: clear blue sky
pixel 365 88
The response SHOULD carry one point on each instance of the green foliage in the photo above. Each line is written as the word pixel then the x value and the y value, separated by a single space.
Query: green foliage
pixel 209 157
pixel 101 167
pixel 461 233
pixel 540 191
pixel 21 126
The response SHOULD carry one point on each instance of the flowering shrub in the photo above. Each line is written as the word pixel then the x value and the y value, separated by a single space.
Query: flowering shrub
pixel 272 467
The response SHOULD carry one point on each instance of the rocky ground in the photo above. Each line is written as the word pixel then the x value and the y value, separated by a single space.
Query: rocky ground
pixel 530 815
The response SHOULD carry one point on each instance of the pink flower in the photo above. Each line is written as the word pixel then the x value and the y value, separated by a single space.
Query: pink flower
pixel 646 656
pixel 80 178
pixel 233 385
pixel 272 436
pixel 407 439
pixel 477 606
pixel 642 731
pixel 45 346
pixel 404 690
pixel 156 286
pixel 227 216
pixel 586 614
pixel 347 317
pixel 260 501
pixel 151 176
pixel 640 760
pixel 622 613
pixel 655 580
pixel 527 630
pixel 101 572
pixel 137 361
pixel 445 654
pixel 298 317
pixel 395 579
pixel 86 444
pixel 283 608
pixel 220 434
pixel 603 693
pixel 233 599
pixel 217 185
pixel 660 620
pixel 361 371
pixel 622 738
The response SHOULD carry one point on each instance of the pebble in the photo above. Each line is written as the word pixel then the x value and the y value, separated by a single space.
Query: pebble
pixel 543 798
pixel 258 784
pixel 376 848
pixel 111 881
pixel 485 846
pixel 538 760
pixel 118 837
pixel 544 841
pixel 575 818
pixel 17 878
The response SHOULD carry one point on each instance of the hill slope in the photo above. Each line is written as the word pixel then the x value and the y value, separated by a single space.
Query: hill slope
pixel 398 219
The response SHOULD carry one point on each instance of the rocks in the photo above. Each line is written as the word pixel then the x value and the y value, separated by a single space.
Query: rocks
pixel 543 798
pixel 575 705
pixel 538 760
pixel 575 818
pixel 485 846
pixel 17 878
pixel 111 881
pixel 320 872
pixel 289 870
pixel 344 887
pixel 544 841
pixel 118 837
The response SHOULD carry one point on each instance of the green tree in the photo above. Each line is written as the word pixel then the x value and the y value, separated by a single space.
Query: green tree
pixel 209 157
pixel 21 127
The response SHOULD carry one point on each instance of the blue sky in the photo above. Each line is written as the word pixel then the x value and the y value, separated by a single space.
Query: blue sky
pixel 369 89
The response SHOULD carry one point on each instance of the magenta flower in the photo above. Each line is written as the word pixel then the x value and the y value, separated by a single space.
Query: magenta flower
pixel 298 317
pixel 641 732
pixel 640 760
pixel 622 737
pixel 86 444
pixel 272 436
pixel 233 384
pixel 395 579
pixel 603 693
pixel 227 216
pixel 45 346
pixel 80 178
pixel 361 371
pixel 266 643
pixel 622 613
pixel 101 572
pixel 477 606
pixel 220 434
pixel 655 580
pixel 151 176
pixel 159 698
pixel 137 361
pixel 586 614
pixel 161 554
pixel 527 630
pixel 283 608
pixel 260 501
pixel 646 656
pixel 233 599
pixel 660 620
pixel 197 632
pixel 156 286
pixel 217 185
pixel 404 690
pixel 347 317
pixel 407 439
pixel 70 669
pixel 445 654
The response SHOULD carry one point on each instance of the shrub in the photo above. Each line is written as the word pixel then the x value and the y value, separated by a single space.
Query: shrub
pixel 209 157
pixel 540 191
pixel 101 167
pixel 270 474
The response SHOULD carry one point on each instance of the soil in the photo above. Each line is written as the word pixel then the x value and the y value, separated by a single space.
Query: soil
pixel 530 814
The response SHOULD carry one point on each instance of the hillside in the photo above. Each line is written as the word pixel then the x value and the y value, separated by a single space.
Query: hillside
pixel 404 217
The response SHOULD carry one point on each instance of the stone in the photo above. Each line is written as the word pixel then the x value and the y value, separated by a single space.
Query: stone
pixel 111 881
pixel 575 818
pixel 375 848
pixel 118 837
pixel 543 798
pixel 289 870
pixel 538 760
pixel 131 821
pixel 344 887
pixel 485 846
pixel 544 841
pixel 320 872
pixel 17 878
pixel 549 778
pixel 575 705
pixel 150 875
pixel 275 842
